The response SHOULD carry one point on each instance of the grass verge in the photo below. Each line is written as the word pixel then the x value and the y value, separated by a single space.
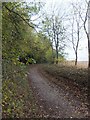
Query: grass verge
pixel 75 79
pixel 17 99
pixel 79 76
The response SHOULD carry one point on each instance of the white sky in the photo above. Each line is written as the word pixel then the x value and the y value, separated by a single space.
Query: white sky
pixel 83 51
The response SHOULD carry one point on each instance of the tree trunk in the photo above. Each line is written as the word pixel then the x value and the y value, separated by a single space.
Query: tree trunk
pixel 88 53
pixel 52 56
pixel 57 45
pixel 77 42
pixel 88 34
pixel 56 55
pixel 76 59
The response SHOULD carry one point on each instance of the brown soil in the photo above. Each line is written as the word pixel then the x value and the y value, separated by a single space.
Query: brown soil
pixel 53 101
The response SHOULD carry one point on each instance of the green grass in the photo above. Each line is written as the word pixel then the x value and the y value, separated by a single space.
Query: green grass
pixel 17 100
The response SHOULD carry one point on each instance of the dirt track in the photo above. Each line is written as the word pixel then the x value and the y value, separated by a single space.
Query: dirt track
pixel 53 100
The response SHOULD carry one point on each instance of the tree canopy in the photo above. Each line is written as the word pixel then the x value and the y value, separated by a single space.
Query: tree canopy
pixel 19 35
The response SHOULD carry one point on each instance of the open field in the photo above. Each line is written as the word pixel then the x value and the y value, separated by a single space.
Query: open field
pixel 80 64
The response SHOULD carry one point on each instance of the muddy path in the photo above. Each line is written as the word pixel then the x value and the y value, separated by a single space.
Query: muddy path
pixel 53 100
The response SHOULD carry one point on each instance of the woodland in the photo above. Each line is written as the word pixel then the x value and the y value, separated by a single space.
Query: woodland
pixel 31 37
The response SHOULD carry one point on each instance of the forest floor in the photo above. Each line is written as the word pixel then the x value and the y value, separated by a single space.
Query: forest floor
pixel 58 98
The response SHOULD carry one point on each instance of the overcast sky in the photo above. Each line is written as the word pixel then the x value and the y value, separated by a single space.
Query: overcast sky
pixel 83 49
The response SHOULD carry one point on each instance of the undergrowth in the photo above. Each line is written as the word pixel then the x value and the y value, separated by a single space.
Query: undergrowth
pixel 17 97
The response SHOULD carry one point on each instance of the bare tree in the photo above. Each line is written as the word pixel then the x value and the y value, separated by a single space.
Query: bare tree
pixel 76 27
pixel 58 35
pixel 87 31
pixel 47 29
pixel 88 34
pixel 54 29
